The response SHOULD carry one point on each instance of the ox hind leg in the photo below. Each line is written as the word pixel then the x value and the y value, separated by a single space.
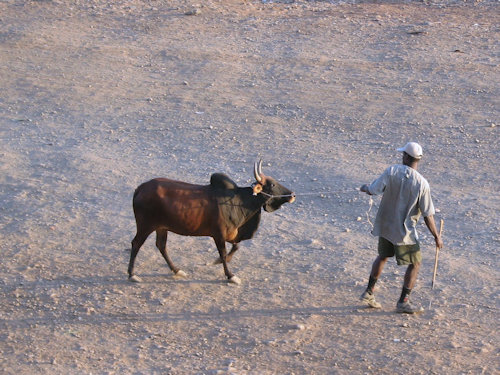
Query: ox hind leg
pixel 161 244
pixel 137 242
pixel 221 246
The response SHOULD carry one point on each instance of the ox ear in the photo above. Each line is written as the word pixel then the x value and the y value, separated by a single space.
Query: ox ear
pixel 257 188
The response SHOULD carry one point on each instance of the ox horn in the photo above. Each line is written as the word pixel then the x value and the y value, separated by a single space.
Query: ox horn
pixel 257 170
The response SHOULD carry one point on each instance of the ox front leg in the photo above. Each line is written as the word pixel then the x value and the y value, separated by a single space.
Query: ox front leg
pixel 221 246
pixel 228 256
pixel 231 253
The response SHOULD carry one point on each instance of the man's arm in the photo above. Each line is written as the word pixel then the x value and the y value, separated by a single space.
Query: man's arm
pixel 431 225
pixel 377 186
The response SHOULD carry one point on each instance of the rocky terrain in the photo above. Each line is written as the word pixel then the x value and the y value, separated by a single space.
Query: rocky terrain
pixel 99 96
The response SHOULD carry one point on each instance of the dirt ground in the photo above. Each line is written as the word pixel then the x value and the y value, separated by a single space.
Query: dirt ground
pixel 99 96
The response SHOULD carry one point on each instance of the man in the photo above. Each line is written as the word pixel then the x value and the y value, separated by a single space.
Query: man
pixel 406 196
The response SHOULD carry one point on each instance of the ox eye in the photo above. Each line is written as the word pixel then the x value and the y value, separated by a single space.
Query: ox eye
pixel 273 185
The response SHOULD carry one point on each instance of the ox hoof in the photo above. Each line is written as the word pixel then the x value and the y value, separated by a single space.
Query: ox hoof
pixel 216 261
pixel 134 279
pixel 180 273
pixel 235 280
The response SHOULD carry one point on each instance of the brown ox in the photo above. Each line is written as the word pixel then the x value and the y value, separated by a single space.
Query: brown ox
pixel 221 210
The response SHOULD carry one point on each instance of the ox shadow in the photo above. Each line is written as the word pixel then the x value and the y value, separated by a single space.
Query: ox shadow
pixel 21 292
pixel 169 277
pixel 46 317
pixel 106 319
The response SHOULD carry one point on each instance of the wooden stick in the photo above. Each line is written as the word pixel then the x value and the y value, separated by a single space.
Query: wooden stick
pixel 437 256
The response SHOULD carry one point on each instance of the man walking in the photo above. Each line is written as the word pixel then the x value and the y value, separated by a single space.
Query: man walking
pixel 406 196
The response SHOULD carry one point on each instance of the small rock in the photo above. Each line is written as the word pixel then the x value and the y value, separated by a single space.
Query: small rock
pixel 90 311
pixel 193 12
pixel 416 32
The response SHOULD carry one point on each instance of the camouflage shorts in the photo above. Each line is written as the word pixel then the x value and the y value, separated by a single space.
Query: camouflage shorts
pixel 405 254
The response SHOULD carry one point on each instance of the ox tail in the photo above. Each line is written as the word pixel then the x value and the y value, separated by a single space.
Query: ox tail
pixel 135 193
pixel 134 199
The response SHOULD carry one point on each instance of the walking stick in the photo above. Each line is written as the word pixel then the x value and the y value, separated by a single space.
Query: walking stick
pixel 437 256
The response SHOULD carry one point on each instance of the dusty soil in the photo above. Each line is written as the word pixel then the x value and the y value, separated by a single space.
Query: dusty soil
pixel 99 96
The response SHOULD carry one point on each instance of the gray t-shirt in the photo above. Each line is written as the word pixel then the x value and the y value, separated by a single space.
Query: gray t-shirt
pixel 406 196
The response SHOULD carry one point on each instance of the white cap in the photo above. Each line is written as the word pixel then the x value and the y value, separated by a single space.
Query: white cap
pixel 413 149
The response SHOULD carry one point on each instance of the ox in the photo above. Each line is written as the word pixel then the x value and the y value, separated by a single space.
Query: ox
pixel 220 210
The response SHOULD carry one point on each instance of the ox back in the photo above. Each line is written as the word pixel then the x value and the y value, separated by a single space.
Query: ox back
pixel 194 210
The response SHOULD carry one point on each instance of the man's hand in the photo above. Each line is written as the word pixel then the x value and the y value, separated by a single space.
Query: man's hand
pixel 439 242
pixel 431 225
pixel 364 189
